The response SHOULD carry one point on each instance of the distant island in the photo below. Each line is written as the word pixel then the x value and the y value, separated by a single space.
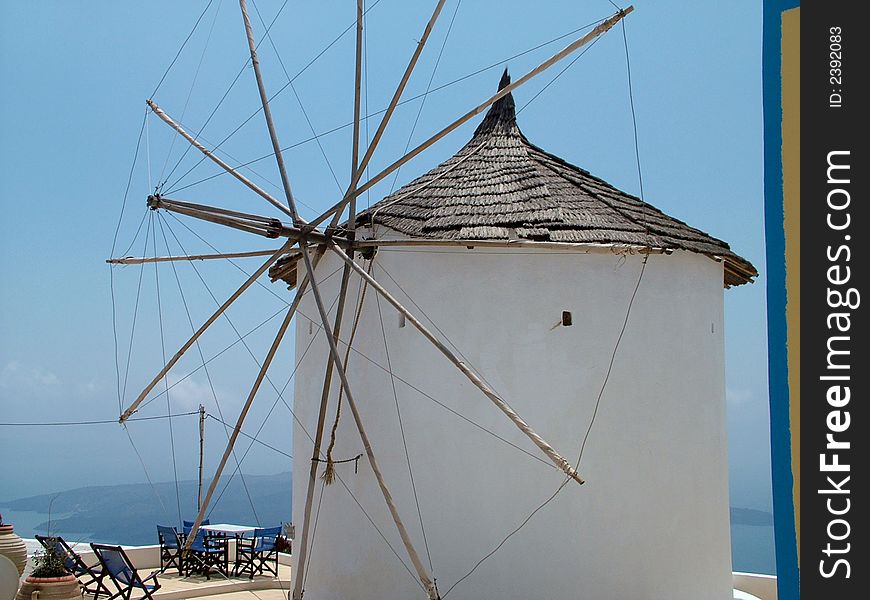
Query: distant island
pixel 128 513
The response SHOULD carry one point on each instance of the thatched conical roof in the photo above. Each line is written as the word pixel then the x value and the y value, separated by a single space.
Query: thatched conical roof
pixel 500 186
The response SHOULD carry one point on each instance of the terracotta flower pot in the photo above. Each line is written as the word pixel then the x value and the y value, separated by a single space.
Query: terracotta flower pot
pixel 13 547
pixel 50 588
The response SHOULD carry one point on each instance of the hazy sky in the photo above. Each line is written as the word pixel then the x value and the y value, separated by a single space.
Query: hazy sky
pixel 74 80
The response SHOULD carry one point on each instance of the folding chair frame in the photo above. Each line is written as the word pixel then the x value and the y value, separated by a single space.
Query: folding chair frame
pixel 94 574
pixel 169 556
pixel 252 561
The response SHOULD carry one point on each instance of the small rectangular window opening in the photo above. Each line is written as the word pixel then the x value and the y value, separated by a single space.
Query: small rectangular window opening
pixel 566 318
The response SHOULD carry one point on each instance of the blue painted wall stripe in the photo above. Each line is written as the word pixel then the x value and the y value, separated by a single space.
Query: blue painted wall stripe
pixel 788 577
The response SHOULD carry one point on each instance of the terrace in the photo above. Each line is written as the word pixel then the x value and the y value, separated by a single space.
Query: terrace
pixel 174 586
pixel 747 586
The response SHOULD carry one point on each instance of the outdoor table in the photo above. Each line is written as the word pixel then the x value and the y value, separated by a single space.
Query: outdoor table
pixel 229 529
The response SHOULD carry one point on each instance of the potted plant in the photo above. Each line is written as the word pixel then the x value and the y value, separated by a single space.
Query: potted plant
pixel 50 579
pixel 12 546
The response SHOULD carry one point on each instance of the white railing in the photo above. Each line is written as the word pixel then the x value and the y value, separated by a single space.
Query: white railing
pixel 761 586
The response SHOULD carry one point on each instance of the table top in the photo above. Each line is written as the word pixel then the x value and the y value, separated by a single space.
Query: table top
pixel 228 528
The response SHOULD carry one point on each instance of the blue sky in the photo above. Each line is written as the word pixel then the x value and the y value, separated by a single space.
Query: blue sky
pixel 76 75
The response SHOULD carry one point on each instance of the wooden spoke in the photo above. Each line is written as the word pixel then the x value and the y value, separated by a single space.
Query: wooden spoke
pixel 211 155
pixel 600 29
pixel 302 550
pixel 354 163
pixel 309 232
pixel 134 260
pixel 267 112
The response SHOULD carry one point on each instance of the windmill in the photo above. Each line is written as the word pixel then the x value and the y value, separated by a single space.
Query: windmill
pixel 308 244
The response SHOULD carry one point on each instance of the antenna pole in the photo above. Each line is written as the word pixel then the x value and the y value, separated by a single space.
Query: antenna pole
pixel 201 447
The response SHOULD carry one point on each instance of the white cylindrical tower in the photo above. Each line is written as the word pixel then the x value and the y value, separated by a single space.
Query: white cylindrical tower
pixel 582 307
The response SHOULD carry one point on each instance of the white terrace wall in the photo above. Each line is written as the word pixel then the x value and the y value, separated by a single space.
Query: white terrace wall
pixel 652 520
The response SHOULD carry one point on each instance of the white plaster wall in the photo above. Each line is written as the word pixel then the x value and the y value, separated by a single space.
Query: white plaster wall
pixel 652 520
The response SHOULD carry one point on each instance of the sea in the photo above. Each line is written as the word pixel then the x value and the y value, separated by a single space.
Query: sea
pixel 752 549
pixel 752 546
pixel 26 522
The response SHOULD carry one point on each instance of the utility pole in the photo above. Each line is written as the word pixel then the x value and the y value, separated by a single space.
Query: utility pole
pixel 201 445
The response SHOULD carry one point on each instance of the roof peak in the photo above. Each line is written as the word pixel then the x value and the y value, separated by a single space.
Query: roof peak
pixel 502 116
pixel 505 80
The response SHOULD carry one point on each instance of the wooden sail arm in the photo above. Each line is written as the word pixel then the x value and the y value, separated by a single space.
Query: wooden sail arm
pixel 600 29
pixel 304 237
pixel 264 226
pixel 352 192
pixel 267 113
pixel 357 100
pixel 161 202
pixel 140 260
pixel 267 227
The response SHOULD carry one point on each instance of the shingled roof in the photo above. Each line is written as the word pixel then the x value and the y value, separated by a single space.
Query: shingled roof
pixel 500 186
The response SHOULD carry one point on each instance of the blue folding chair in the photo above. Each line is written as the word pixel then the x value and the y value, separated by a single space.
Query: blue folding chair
pixel 90 577
pixel 187 527
pixel 189 524
pixel 170 548
pixel 258 553
pixel 120 569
